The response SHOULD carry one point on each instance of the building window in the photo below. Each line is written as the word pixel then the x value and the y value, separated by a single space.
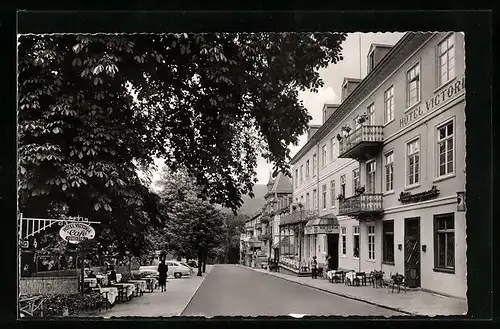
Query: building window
pixel 444 242
pixel 315 199
pixel 388 241
pixel 342 185
pixel 307 170
pixel 355 180
pixel 355 245
pixel 333 153
pixel 413 85
pixel 296 177
pixel 323 160
pixel 446 59
pixel 332 193
pixel 324 195
pixel 389 171
pixel 307 201
pixel 371 115
pixel 370 169
pixel 302 200
pixel 301 174
pixel 445 149
pixel 344 241
pixel 371 242
pixel 314 165
pixel 389 104
pixel 413 164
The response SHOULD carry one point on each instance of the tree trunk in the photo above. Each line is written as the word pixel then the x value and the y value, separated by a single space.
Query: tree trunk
pixel 205 255
pixel 200 258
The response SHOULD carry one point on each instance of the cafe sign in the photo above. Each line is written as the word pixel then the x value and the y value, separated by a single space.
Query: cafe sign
pixel 77 232
pixel 439 99
pixel 322 229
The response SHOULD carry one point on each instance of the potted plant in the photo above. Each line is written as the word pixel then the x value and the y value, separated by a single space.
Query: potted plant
pixel 345 129
pixel 340 197
pixel 362 118
pixel 294 207
pixel 339 138
pixel 301 205
pixel 360 190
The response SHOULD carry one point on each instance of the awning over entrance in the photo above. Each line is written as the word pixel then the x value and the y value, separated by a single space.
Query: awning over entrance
pixel 326 224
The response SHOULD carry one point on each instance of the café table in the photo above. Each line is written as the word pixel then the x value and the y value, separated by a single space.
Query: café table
pixel 125 290
pixel 152 282
pixel 102 280
pixel 110 293
pixel 140 286
pixel 92 282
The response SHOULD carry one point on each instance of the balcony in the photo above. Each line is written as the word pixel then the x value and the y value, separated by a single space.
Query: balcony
pixel 364 207
pixel 362 144
pixel 298 217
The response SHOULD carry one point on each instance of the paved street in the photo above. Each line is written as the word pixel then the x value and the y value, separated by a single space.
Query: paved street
pixel 232 290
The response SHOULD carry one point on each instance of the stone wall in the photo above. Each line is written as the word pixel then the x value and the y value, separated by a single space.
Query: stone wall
pixel 48 285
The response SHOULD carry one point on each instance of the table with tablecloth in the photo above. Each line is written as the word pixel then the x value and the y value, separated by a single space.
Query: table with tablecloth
pixel 118 277
pixel 128 289
pixel 102 279
pixel 91 282
pixel 152 282
pixel 111 293
pixel 140 286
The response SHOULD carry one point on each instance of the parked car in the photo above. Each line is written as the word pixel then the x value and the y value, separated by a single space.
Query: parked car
pixel 148 270
pixel 178 270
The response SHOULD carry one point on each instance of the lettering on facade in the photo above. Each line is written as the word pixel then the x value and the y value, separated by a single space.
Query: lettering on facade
pixel 322 229
pixel 432 103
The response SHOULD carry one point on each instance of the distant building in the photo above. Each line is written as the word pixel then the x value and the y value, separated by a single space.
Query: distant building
pixel 380 179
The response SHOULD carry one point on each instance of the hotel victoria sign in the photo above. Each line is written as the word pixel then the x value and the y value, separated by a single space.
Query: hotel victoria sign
pixel 322 229
pixel 440 98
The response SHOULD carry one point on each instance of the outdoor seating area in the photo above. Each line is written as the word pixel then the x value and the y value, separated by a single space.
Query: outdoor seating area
pixel 375 279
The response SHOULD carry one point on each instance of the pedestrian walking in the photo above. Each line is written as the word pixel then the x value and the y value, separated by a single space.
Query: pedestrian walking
pixel 314 268
pixel 163 270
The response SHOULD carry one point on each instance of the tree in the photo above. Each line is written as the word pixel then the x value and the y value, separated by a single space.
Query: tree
pixel 208 102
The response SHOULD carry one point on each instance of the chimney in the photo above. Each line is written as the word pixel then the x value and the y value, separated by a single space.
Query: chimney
pixel 312 130
pixel 375 54
pixel 348 86
pixel 328 110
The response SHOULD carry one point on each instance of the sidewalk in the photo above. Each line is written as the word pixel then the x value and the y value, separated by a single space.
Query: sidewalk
pixel 170 303
pixel 411 302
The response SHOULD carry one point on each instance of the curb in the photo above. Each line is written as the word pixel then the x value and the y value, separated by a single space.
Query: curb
pixel 336 293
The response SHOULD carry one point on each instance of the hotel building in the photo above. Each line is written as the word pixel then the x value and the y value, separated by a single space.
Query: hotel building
pixel 382 181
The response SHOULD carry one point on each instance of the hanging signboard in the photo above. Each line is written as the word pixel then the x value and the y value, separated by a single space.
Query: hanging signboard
pixel 321 229
pixel 77 232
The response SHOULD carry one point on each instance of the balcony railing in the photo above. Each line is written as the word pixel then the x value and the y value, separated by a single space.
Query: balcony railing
pixel 361 205
pixel 298 216
pixel 363 143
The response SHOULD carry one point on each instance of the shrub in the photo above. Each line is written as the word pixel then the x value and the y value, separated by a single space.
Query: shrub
pixel 55 304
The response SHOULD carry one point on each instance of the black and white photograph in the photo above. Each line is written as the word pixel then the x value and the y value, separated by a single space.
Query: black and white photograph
pixel 241 174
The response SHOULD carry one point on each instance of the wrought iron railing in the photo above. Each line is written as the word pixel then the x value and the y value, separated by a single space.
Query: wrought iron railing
pixel 298 216
pixel 361 203
pixel 362 134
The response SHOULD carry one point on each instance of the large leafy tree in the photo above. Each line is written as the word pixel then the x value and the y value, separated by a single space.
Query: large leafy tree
pixel 95 108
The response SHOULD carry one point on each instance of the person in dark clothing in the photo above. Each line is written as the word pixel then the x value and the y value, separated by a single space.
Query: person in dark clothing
pixel 92 275
pixel 112 275
pixel 163 270
pixel 314 268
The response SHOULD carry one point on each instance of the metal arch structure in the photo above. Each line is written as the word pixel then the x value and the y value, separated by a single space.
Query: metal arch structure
pixel 30 226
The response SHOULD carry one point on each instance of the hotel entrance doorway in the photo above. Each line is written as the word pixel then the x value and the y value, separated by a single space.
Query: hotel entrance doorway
pixel 333 249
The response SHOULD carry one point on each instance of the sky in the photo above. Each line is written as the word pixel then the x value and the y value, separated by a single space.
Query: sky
pixel 332 76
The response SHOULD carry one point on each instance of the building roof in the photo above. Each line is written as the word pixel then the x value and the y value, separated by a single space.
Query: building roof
pixel 282 184
pixel 337 116
pixel 350 80
pixel 379 45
